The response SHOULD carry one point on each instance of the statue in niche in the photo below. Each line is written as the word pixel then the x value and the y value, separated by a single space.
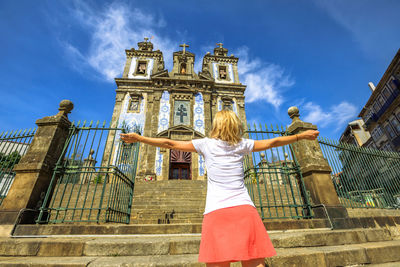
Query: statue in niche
pixel 183 68
pixel 206 71
pixel 141 68
pixel 161 66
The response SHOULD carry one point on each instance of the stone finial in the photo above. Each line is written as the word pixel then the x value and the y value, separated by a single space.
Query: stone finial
pixel 294 113
pixel 262 154
pixel 65 107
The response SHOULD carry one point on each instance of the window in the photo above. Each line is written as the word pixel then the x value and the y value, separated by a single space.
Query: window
pixel 386 92
pixel 387 147
pixel 141 67
pixel 390 131
pixel 376 133
pixel 222 72
pixel 381 100
pixel 377 107
pixel 395 123
pixel 393 83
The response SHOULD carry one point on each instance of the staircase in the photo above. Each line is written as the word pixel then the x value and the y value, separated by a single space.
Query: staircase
pixel 169 201
pixel 308 248
pixel 165 231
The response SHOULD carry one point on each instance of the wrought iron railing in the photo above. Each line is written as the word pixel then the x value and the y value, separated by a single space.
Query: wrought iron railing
pixel 273 179
pixel 363 177
pixel 94 178
pixel 13 145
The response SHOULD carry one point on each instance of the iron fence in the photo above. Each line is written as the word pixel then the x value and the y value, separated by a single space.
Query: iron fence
pixel 363 177
pixel 93 180
pixel 13 145
pixel 273 178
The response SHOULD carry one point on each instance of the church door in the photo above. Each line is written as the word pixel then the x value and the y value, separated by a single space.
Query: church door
pixel 180 163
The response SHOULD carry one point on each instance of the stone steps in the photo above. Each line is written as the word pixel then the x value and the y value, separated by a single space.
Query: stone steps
pixel 295 248
pixel 153 200
pixel 141 245
pixel 165 221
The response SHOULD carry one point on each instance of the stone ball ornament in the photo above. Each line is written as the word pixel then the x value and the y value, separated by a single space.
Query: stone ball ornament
pixel 66 106
pixel 293 112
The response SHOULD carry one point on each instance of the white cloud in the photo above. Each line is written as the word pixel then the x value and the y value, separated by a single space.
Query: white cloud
pixel 112 30
pixel 265 81
pixel 335 116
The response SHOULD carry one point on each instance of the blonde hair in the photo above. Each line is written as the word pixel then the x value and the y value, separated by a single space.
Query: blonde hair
pixel 226 126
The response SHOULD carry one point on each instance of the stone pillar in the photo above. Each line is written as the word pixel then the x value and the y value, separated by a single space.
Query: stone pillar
pixel 88 165
pixel 35 169
pixel 315 170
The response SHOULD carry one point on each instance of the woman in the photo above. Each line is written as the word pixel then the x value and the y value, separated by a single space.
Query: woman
pixel 232 229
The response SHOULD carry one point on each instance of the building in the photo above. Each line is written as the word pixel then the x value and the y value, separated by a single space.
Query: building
pixel 381 113
pixel 178 104
pixel 355 133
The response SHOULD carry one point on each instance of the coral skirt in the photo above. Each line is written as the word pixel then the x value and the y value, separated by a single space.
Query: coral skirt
pixel 234 234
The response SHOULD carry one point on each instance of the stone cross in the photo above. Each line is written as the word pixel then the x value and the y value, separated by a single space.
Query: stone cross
pixel 181 112
pixel 184 47
pixel 220 45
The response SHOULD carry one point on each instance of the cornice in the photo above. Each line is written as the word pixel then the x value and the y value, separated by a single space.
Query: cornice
pixel 173 84
pixel 131 53
pixel 213 58
pixel 394 64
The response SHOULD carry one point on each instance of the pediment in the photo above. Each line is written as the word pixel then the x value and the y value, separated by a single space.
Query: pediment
pixel 163 73
pixel 183 86
pixel 204 76
pixel 181 130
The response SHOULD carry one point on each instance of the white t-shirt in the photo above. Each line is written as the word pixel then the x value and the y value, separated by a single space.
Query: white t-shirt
pixel 224 163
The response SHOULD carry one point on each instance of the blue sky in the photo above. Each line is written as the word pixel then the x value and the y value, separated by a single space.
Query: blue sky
pixel 318 55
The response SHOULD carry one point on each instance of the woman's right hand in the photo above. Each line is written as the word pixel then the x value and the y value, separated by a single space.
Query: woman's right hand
pixel 130 137
pixel 309 135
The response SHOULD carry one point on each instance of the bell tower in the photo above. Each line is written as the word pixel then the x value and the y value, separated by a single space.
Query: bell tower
pixel 222 69
pixel 178 104
pixel 183 64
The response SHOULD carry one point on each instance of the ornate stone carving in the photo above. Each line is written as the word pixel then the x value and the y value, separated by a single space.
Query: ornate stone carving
pixel 146 45
pixel 182 96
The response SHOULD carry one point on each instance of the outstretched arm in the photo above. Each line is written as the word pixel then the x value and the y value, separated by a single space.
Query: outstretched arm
pixel 160 142
pixel 260 145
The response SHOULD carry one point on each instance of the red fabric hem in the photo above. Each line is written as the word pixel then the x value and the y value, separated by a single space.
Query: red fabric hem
pixel 234 234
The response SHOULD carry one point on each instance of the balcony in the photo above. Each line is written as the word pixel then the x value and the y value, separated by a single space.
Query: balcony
pixel 375 116
pixel 387 103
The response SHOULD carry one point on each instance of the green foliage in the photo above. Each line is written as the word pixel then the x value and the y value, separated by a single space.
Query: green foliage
pixel 98 179
pixel 7 162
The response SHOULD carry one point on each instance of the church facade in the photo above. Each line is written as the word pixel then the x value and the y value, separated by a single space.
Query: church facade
pixel 178 104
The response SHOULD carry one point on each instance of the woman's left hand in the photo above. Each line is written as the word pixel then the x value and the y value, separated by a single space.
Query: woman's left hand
pixel 130 137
